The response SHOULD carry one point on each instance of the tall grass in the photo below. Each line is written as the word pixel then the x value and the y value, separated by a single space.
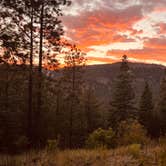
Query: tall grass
pixel 123 156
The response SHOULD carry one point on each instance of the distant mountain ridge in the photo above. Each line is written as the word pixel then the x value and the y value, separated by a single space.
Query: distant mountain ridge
pixel 101 78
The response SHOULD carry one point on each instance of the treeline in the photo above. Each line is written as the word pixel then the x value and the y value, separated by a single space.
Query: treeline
pixel 129 124
pixel 70 112
pixel 149 113
pixel 69 109
pixel 37 105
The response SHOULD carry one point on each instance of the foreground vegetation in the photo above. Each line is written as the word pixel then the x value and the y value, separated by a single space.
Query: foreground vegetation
pixel 42 105
pixel 132 155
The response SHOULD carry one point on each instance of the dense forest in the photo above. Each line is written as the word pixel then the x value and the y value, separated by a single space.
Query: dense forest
pixel 45 102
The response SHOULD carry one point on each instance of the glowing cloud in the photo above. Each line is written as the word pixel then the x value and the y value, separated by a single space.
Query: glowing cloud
pixel 106 29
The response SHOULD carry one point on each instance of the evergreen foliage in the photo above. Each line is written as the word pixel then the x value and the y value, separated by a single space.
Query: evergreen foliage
pixel 146 112
pixel 122 102
pixel 162 105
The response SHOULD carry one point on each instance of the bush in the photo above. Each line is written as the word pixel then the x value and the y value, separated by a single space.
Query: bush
pixel 162 158
pixel 52 145
pixel 101 138
pixel 131 132
pixel 134 150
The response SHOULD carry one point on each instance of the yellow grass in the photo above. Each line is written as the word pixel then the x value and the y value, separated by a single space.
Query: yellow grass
pixel 124 156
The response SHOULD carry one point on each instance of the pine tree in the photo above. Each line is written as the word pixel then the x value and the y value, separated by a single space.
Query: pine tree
pixel 122 104
pixel 72 79
pixel 91 108
pixel 162 104
pixel 22 16
pixel 12 106
pixel 146 108
pixel 38 27
pixel 10 122
pixel 50 31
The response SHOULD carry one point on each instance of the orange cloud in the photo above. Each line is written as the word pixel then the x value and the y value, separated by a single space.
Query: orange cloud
pixel 146 54
pixel 158 43
pixel 108 24
pixel 162 28
pixel 102 26
pixel 99 60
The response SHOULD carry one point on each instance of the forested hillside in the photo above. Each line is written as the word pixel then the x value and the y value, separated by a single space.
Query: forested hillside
pixel 101 78
pixel 94 87
pixel 52 99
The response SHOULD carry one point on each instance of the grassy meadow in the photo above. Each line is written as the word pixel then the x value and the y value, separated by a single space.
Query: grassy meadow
pixel 132 155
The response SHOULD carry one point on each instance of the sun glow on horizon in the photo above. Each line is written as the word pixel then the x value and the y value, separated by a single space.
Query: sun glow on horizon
pixel 106 30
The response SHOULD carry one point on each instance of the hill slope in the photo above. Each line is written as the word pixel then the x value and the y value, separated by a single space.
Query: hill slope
pixel 101 77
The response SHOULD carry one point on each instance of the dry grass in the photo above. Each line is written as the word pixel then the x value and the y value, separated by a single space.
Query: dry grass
pixel 124 156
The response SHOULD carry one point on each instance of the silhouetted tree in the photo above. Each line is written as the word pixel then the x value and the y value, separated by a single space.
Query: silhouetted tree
pixel 74 62
pixel 92 110
pixel 9 55
pixel 146 108
pixel 122 104
pixel 35 25
pixel 162 104
pixel 50 30
pixel 22 15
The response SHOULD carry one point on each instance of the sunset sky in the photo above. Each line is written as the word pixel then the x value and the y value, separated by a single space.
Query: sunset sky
pixel 107 29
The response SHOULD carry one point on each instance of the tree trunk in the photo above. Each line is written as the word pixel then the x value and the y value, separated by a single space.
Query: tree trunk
pixel 39 97
pixel 7 113
pixel 30 88
pixel 72 104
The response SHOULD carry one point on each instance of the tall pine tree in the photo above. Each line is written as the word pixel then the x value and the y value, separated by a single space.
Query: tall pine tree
pixel 73 83
pixel 122 104
pixel 36 27
pixel 146 108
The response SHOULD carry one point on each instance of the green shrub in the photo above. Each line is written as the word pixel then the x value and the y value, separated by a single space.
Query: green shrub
pixel 134 150
pixel 131 132
pixel 162 158
pixel 52 144
pixel 101 138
